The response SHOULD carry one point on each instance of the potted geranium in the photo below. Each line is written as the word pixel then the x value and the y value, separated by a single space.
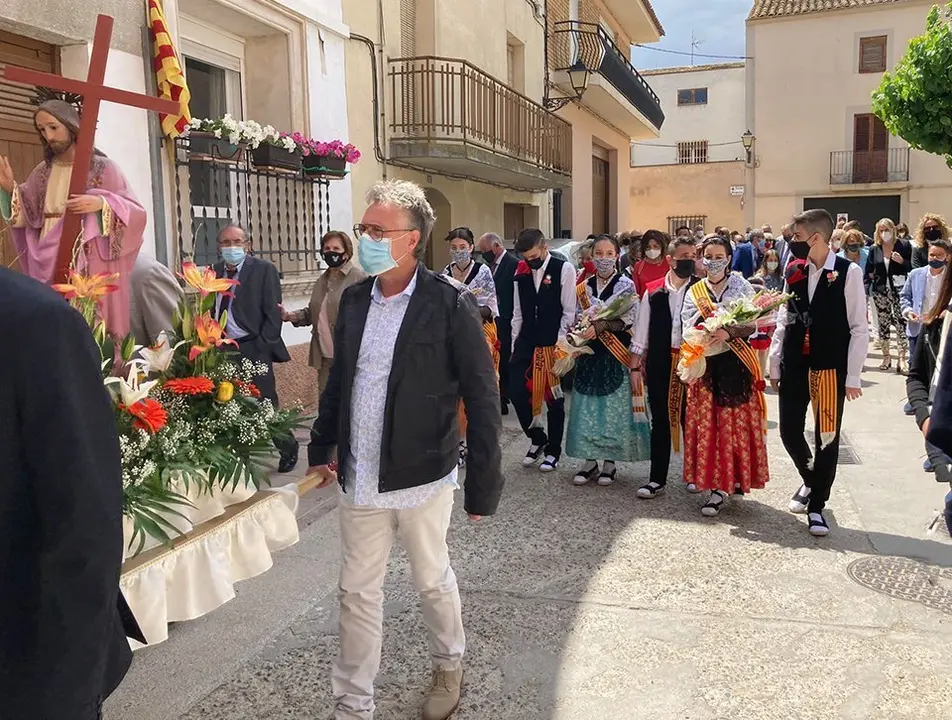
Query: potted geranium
pixel 223 138
pixel 277 150
pixel 326 157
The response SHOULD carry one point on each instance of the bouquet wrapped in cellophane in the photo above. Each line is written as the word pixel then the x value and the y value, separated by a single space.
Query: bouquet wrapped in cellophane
pixel 699 342
pixel 574 344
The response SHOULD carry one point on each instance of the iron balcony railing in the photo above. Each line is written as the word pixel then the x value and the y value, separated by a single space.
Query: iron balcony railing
pixel 854 167
pixel 451 100
pixel 572 41
pixel 284 212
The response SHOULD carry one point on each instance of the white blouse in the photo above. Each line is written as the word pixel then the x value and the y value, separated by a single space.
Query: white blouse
pixel 482 285
pixel 736 287
pixel 624 286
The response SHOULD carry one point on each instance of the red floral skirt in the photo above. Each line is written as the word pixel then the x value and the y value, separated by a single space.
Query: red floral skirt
pixel 724 446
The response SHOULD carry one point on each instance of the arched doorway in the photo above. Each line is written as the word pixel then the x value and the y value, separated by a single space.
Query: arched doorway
pixel 437 256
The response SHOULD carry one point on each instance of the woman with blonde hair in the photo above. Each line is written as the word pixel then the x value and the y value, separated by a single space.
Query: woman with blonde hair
pixel 932 227
pixel 888 264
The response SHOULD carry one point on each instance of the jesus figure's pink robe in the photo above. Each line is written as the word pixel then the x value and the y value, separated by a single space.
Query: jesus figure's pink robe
pixel 111 237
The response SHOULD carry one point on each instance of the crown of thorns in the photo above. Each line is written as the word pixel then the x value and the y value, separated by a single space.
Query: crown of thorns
pixel 44 94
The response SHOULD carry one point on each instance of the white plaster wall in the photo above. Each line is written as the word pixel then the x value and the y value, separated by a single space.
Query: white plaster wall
pixel 327 97
pixel 123 131
pixel 719 122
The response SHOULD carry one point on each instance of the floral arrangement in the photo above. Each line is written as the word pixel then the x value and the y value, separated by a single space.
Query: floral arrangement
pixel 334 148
pixel 187 409
pixel 278 139
pixel 236 132
pixel 704 340
pixel 574 344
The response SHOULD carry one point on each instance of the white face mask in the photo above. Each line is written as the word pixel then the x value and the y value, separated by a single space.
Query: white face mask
pixel 652 253
pixel 772 266
pixel 886 236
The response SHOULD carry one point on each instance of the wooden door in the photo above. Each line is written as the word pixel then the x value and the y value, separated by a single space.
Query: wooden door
pixel 600 170
pixel 870 149
pixel 19 142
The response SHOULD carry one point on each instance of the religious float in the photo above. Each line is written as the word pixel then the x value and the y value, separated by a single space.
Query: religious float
pixel 195 440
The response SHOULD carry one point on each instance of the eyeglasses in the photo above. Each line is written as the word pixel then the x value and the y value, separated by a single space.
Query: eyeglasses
pixel 375 232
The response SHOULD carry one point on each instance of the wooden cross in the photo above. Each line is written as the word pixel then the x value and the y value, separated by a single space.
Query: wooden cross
pixel 94 92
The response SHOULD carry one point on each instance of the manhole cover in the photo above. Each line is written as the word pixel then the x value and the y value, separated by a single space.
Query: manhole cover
pixel 847 455
pixel 905 579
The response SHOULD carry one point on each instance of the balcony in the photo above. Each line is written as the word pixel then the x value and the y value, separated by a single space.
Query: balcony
pixel 284 213
pixel 448 116
pixel 855 167
pixel 616 90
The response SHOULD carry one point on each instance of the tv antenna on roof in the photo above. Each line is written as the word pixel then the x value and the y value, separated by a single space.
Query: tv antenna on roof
pixel 695 45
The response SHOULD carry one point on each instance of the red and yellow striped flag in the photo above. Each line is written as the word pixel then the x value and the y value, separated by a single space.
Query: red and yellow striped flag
pixel 168 72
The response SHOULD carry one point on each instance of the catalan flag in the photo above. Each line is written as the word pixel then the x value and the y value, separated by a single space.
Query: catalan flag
pixel 168 72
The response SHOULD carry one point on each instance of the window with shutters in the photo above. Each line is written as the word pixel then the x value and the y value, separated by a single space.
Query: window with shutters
pixel 692 153
pixel 870 149
pixel 692 96
pixel 872 54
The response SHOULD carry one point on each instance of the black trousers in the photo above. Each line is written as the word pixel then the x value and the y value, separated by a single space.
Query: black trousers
pixel 504 330
pixel 266 383
pixel 794 401
pixel 519 369
pixel 657 388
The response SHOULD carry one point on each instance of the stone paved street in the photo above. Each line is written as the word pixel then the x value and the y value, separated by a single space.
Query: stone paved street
pixel 588 603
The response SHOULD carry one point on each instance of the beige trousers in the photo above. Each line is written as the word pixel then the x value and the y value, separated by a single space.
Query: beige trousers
pixel 367 534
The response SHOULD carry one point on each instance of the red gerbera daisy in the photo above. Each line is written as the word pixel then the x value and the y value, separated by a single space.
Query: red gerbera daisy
pixel 246 388
pixel 149 415
pixel 190 386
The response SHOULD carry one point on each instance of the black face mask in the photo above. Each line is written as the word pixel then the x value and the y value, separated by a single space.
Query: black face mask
pixel 489 256
pixel 333 258
pixel 937 264
pixel 853 248
pixel 684 268
pixel 535 263
pixel 799 250
pixel 933 234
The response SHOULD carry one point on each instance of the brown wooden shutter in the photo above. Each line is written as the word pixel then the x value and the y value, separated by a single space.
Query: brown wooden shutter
pixel 862 133
pixel 19 141
pixel 880 139
pixel 872 54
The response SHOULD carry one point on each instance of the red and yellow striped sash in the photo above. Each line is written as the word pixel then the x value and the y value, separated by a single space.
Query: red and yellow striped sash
pixel 611 343
pixel 675 400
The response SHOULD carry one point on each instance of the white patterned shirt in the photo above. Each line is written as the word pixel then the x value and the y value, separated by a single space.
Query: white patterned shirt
pixel 368 405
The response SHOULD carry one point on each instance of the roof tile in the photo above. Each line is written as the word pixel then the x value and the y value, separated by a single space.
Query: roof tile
pixel 783 8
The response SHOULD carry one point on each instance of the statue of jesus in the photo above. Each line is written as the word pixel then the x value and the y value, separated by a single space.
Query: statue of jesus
pixel 113 220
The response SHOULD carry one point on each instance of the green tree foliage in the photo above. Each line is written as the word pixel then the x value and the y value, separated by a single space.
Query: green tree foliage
pixel 915 100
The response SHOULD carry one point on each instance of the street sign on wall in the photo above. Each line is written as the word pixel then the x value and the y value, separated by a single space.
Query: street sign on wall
pixel 737 190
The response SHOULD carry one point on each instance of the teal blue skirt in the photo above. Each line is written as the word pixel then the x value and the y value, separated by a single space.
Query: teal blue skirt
pixel 601 423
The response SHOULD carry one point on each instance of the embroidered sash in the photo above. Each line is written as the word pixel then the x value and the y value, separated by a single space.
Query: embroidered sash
pixel 742 349
pixel 675 400
pixel 611 343
pixel 544 382
pixel 492 340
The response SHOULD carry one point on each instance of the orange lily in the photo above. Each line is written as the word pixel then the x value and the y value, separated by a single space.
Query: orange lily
pixel 88 287
pixel 691 353
pixel 204 280
pixel 210 335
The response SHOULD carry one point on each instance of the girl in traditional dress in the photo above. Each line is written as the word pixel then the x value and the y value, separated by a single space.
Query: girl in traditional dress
pixel 602 425
pixel 724 448
pixel 479 279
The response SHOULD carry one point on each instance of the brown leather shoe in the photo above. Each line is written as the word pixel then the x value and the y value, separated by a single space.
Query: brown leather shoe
pixel 443 697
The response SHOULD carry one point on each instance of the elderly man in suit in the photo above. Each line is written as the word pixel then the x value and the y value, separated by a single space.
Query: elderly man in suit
pixel 154 296
pixel 63 620
pixel 254 317
pixel 503 266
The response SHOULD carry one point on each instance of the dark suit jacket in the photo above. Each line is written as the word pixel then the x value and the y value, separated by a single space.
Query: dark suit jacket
pixel 876 271
pixel 504 280
pixel 440 358
pixel 62 644
pixel 255 308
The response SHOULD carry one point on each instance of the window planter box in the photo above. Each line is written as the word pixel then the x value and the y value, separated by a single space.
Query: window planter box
pixel 272 156
pixel 205 146
pixel 318 164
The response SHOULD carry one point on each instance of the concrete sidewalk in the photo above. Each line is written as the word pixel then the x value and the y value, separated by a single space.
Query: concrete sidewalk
pixel 589 603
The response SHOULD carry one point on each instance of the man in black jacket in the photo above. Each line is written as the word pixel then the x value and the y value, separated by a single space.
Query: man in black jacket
pixel 62 644
pixel 408 346
pixel 503 265
pixel 254 318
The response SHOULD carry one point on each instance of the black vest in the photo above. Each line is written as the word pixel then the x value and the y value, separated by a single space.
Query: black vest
pixel 660 324
pixel 827 319
pixel 542 309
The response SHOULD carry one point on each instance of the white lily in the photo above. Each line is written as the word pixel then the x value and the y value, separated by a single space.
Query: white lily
pixel 130 389
pixel 159 356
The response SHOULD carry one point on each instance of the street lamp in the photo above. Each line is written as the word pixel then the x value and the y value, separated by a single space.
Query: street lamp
pixel 578 78
pixel 748 139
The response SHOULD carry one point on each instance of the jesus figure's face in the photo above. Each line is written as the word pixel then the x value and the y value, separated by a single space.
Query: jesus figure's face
pixel 56 134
